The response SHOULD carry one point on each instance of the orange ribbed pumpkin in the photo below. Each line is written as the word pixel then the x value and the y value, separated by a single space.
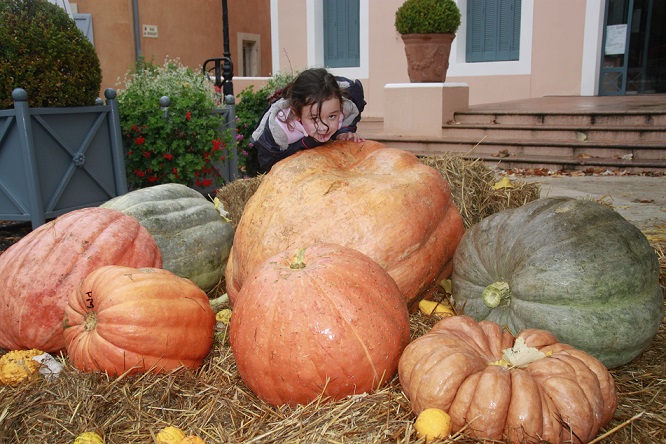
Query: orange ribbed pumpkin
pixel 145 319
pixel 324 319
pixel 38 272
pixel 460 366
pixel 380 201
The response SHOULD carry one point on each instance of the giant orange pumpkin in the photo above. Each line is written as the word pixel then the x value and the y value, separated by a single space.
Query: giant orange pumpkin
pixel 38 272
pixel 526 389
pixel 380 201
pixel 146 319
pixel 321 320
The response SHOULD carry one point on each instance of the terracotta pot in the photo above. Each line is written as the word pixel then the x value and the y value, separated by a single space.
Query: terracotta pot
pixel 427 56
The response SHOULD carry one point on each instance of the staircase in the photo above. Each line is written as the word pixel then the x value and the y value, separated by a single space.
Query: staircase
pixel 581 133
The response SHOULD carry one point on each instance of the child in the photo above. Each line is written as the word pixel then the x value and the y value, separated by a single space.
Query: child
pixel 315 107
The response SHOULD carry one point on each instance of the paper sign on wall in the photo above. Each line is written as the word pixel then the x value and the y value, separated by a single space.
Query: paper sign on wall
pixel 616 39
pixel 150 31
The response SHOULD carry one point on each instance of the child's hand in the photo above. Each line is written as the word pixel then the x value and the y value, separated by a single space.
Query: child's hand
pixel 350 136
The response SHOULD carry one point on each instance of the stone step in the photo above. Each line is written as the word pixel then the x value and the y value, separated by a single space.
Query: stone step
pixel 583 133
pixel 520 154
pixel 631 147
pixel 552 118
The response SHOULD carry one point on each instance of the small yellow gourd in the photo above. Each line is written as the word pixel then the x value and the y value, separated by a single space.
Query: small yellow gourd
pixel 192 439
pixel 433 423
pixel 432 308
pixel 223 316
pixel 18 366
pixel 89 438
pixel 170 435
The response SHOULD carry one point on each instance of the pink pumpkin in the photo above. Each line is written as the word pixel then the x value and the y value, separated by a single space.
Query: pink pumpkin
pixel 38 273
pixel 326 319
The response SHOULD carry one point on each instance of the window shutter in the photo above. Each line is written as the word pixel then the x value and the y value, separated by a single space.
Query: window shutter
pixel 509 30
pixel 341 33
pixel 493 30
pixel 84 23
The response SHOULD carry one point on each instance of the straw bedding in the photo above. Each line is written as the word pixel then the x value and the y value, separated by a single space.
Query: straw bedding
pixel 213 402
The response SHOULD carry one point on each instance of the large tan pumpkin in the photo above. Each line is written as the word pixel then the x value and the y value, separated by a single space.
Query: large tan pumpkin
pixel 524 389
pixel 380 201
pixel 38 272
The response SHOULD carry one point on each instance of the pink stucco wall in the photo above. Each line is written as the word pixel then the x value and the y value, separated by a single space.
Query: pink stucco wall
pixel 187 31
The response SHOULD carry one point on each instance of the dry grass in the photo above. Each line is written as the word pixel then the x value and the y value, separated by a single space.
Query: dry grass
pixel 213 402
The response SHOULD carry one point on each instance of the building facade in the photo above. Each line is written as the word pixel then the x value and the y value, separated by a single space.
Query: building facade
pixel 504 49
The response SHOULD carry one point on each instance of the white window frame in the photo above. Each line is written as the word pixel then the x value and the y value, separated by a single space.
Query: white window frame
pixel 315 48
pixel 458 67
pixel 315 41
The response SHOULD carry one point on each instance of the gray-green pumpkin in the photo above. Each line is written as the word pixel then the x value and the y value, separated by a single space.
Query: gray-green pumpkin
pixel 573 267
pixel 192 236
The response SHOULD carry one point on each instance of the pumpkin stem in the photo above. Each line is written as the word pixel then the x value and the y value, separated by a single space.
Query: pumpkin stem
pixel 297 263
pixel 90 321
pixel 218 304
pixel 495 293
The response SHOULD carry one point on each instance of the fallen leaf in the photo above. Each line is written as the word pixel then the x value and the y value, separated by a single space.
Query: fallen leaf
pixel 504 183
pixel 446 285
pixel 503 153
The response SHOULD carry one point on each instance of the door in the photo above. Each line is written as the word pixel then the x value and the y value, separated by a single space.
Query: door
pixel 634 48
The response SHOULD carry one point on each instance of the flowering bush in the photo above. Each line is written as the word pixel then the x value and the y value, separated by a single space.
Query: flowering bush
pixel 250 108
pixel 177 144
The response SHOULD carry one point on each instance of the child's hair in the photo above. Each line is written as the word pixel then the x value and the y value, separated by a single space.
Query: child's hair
pixel 310 87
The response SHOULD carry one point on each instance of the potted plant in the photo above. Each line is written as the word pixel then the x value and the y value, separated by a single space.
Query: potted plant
pixel 60 147
pixel 427 28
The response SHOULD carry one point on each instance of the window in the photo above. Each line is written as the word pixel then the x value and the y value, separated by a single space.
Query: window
pixel 249 51
pixel 493 30
pixel 341 33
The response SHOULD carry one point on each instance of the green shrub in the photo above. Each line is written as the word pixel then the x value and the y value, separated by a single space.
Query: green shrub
pixel 176 144
pixel 427 17
pixel 250 108
pixel 43 52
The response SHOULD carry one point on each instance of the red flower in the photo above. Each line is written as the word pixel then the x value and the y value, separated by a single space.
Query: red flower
pixel 188 116
pixel 135 128
pixel 197 182
pixel 207 182
pixel 139 140
pixel 139 173
pixel 152 179
pixel 216 144
pixel 168 156
pixel 146 154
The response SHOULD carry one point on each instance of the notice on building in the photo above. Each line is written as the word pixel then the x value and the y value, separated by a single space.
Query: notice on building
pixel 150 31
pixel 616 39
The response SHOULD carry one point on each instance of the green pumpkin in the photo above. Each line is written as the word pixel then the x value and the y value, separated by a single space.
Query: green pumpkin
pixel 192 236
pixel 573 267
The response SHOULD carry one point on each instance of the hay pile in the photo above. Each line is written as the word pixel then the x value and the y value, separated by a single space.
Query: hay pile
pixel 213 402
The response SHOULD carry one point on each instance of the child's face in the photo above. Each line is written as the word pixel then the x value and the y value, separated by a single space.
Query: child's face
pixel 322 125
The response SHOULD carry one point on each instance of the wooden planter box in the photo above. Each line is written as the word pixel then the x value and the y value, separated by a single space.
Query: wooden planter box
pixel 56 160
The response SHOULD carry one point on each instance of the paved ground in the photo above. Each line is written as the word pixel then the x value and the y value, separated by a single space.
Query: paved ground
pixel 640 199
